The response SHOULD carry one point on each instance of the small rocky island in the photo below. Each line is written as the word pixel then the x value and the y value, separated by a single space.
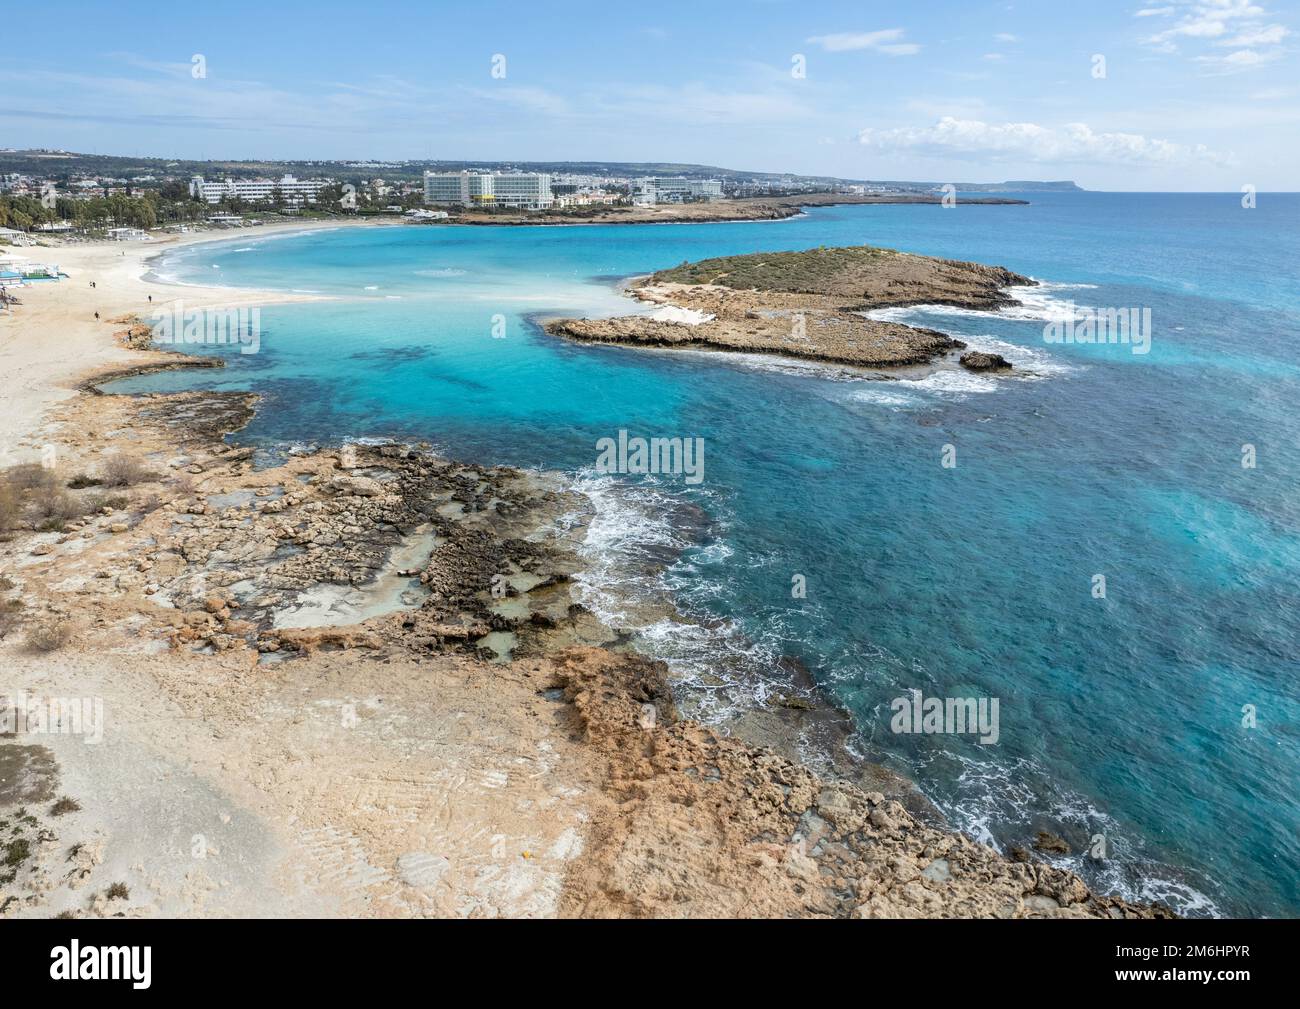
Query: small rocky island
pixel 809 305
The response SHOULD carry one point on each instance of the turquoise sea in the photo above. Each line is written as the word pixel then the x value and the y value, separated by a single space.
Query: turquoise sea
pixel 1120 716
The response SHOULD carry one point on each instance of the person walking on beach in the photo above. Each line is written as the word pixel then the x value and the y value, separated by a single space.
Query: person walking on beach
pixel 96 316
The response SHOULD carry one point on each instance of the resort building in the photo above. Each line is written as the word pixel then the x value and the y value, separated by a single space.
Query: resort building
pixel 293 191
pixel 519 190
pixel 598 198
pixel 652 190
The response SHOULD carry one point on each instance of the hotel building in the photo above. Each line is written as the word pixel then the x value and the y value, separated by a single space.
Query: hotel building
pixel 519 190
pixel 652 190
pixel 294 191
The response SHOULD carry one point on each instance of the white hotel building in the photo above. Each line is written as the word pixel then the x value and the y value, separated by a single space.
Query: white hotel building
pixel 294 191
pixel 520 190
pixel 652 190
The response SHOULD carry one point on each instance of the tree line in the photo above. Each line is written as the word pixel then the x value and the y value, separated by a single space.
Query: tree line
pixel 148 210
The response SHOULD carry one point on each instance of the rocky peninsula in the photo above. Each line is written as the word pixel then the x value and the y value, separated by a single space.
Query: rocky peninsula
pixel 808 305
pixel 751 208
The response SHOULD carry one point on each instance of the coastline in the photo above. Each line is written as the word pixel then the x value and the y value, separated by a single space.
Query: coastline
pixel 745 209
pixel 38 378
pixel 623 797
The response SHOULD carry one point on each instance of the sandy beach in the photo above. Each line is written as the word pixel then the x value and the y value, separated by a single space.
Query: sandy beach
pixel 464 740
pixel 52 342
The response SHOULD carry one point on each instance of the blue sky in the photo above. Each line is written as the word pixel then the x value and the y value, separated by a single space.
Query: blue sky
pixel 1191 95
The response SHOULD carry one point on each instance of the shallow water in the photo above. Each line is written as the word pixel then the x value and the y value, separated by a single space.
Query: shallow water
pixel 1120 716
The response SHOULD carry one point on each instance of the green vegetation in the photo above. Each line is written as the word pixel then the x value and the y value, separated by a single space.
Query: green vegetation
pixel 816 271
pixel 16 852
pixel 116 210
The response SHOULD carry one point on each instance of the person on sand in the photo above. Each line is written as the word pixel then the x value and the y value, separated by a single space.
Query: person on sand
pixel 96 316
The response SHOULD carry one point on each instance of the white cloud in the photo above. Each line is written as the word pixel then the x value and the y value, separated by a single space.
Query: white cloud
pixel 533 99
pixel 1006 37
pixel 1242 59
pixel 1072 143
pixel 888 41
pixel 1229 24
pixel 1269 35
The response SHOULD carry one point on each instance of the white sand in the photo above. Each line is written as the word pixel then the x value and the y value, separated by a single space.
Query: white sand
pixel 675 313
pixel 51 341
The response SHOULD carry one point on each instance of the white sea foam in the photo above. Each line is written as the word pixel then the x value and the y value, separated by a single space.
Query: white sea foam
pixel 449 271
pixel 1028 362
pixel 633 574
pixel 1035 304
pixel 628 523
pixel 1038 304
pixel 884 394
pixel 952 380
pixel 997 793
pixel 771 363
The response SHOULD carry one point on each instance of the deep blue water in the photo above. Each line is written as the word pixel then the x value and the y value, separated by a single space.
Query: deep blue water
pixel 1119 716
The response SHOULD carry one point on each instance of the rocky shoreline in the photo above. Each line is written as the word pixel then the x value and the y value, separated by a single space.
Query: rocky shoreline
pixel 356 681
pixel 805 305
pixel 755 208
pixel 207 554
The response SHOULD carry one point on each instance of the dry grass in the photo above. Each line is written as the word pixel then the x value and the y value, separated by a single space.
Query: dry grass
pixel 50 507
pixel 34 497
pixel 10 506
pixel 33 494
pixel 65 805
pixel 11 615
pixel 29 476
pixel 124 471
pixel 50 635
pixel 98 502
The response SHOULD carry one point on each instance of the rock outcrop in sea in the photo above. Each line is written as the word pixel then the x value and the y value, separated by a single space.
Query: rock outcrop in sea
pixel 805 305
